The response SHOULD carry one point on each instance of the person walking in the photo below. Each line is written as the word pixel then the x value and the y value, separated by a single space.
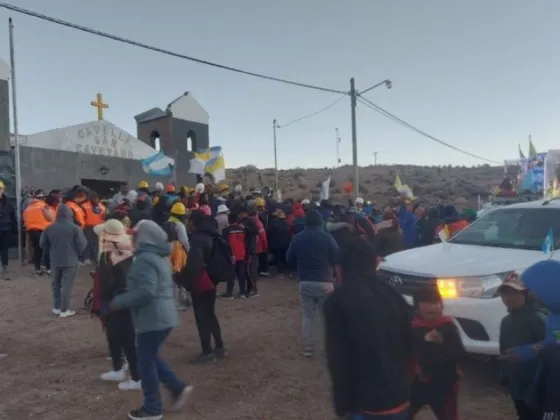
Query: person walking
pixel 112 268
pixel 316 255
pixel 8 225
pixel 36 218
pixel 368 340
pixel 65 243
pixel 202 288
pixel 150 298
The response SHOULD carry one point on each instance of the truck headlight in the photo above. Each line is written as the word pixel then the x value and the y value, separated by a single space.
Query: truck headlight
pixel 483 287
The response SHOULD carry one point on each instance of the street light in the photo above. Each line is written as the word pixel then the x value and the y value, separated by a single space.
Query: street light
pixel 353 100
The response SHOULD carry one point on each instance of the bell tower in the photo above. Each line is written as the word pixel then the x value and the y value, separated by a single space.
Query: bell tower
pixel 180 130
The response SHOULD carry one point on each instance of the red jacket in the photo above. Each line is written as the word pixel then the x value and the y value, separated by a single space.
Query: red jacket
pixel 297 212
pixel 235 235
pixel 262 240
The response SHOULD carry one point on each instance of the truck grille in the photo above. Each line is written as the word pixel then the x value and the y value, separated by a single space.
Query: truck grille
pixel 404 283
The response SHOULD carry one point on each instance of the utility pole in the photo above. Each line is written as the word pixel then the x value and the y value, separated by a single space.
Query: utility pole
pixel 337 149
pixel 274 126
pixel 353 100
pixel 375 158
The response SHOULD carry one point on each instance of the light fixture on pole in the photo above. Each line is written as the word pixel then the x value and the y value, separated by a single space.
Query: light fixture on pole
pixel 338 161
pixel 353 100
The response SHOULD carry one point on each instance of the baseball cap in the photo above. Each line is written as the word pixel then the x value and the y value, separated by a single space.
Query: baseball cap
pixel 513 281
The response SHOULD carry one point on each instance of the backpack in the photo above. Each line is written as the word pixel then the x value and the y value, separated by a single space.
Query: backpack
pixel 220 266
pixel 178 257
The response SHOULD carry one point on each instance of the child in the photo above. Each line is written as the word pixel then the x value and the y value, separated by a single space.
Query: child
pixel 235 235
pixel 437 351
pixel 524 324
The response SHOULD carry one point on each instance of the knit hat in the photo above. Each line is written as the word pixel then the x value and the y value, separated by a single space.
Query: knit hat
pixel 112 230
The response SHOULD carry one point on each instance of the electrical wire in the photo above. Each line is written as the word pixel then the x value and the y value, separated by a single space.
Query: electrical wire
pixel 314 113
pixel 402 122
pixel 160 50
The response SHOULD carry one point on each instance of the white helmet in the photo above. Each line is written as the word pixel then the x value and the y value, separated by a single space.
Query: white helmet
pixel 359 200
pixel 305 202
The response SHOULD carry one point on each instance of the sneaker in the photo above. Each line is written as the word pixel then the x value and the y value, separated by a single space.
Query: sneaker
pixel 254 294
pixel 114 376
pixel 5 274
pixel 307 353
pixel 221 352
pixel 130 385
pixel 203 359
pixel 67 313
pixel 227 296
pixel 56 311
pixel 38 273
pixel 243 296
pixel 264 274
pixel 180 399
pixel 140 414
pixel 49 272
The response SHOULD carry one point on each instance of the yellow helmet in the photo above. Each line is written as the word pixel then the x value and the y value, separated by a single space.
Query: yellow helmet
pixel 259 202
pixel 143 184
pixel 178 209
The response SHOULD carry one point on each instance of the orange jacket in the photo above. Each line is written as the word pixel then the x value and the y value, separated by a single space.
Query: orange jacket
pixel 79 214
pixel 34 216
pixel 95 215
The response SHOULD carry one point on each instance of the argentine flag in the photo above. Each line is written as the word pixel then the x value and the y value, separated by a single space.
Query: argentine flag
pixel 548 244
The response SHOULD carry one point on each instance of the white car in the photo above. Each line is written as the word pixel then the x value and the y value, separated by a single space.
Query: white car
pixel 469 268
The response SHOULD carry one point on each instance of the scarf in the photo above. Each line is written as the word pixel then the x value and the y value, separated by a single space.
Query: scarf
pixel 118 251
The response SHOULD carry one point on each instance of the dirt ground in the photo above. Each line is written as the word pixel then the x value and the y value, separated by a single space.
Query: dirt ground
pixel 53 365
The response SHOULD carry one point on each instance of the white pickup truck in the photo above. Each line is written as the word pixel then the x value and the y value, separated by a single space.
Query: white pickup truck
pixel 469 268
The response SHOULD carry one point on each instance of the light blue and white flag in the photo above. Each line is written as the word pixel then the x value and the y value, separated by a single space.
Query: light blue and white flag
pixel 548 244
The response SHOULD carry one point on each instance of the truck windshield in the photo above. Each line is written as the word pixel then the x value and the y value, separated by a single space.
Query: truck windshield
pixel 520 228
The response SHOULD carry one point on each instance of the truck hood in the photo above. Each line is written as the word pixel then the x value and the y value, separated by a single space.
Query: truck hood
pixel 458 260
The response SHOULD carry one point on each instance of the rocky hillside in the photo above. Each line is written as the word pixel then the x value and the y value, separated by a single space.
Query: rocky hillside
pixel 446 183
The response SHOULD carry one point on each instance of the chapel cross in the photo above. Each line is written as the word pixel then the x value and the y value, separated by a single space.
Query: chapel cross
pixel 100 106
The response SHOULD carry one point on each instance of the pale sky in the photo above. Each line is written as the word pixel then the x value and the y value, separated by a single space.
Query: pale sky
pixel 479 74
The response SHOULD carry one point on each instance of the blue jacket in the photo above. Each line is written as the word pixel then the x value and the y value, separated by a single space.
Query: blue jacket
pixel 149 283
pixel 316 253
pixel 408 225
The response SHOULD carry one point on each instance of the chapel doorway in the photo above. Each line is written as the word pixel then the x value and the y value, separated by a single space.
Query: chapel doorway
pixel 105 189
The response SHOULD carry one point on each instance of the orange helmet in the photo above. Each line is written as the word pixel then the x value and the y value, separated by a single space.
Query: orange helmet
pixel 170 188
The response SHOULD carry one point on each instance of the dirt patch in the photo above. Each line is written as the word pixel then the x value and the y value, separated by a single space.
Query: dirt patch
pixel 53 365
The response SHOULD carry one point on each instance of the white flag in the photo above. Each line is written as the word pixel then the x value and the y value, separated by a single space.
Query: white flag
pixel 325 188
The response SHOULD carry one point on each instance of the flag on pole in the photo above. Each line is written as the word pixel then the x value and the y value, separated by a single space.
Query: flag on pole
pixel 444 234
pixel 548 244
pixel 209 161
pixel 532 150
pixel 521 155
pixel 325 187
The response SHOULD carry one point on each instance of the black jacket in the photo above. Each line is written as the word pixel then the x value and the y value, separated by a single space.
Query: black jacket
pixel 278 234
pixel 251 234
pixel 8 220
pixel 437 363
pixel 369 346
pixel 112 278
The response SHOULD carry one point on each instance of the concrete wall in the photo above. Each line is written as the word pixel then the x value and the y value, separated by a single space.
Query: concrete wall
pixel 50 169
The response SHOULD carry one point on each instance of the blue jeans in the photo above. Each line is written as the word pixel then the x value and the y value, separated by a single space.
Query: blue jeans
pixel 398 416
pixel 154 370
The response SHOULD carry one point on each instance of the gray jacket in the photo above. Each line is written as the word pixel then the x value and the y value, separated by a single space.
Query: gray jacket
pixel 149 283
pixel 64 240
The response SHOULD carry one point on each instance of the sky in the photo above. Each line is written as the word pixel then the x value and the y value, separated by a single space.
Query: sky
pixel 481 75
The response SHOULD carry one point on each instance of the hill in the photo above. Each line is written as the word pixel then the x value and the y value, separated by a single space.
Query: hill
pixel 446 183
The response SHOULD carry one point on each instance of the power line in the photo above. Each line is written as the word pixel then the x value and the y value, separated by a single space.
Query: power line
pixel 314 113
pixel 160 50
pixel 402 122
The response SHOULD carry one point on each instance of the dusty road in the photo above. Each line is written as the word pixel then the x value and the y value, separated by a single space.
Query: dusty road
pixel 53 365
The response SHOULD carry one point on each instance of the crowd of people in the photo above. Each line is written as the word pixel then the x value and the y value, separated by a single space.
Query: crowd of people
pixel 158 249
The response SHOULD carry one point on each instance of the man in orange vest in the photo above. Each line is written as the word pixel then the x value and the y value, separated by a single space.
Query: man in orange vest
pixel 94 215
pixel 36 218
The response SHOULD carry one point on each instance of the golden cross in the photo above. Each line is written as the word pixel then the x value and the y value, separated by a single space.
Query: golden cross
pixel 100 106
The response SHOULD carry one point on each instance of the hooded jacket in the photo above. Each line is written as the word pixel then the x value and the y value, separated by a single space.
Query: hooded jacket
pixel 408 225
pixel 64 240
pixel 196 279
pixel 149 283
